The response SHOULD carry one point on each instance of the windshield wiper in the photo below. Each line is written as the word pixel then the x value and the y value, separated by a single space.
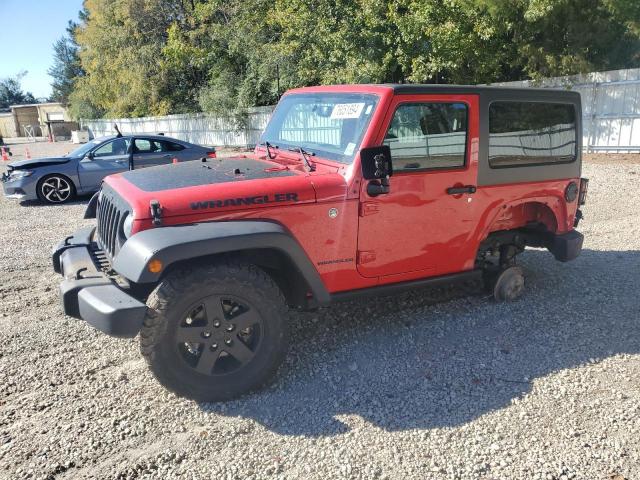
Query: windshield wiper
pixel 269 146
pixel 305 155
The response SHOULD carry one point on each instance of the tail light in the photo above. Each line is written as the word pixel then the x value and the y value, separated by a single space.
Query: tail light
pixel 211 154
pixel 584 187
pixel 571 192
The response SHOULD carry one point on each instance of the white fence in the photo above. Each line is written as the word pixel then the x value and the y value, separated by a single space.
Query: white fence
pixel 196 128
pixel 610 107
pixel 610 116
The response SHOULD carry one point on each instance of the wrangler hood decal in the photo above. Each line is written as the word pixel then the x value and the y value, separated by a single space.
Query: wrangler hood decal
pixel 214 187
pixel 253 200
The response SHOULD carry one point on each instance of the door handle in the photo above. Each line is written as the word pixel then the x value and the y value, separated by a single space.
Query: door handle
pixel 461 190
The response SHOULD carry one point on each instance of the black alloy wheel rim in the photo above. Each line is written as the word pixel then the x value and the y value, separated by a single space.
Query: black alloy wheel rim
pixel 219 334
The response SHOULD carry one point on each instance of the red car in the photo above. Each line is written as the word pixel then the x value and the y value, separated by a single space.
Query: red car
pixel 354 190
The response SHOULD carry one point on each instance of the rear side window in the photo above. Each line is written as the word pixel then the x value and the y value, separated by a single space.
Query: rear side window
pixel 171 147
pixel 525 134
pixel 144 145
pixel 166 146
pixel 425 136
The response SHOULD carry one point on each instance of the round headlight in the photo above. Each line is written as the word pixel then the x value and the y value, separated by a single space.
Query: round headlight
pixel 127 225
pixel 571 192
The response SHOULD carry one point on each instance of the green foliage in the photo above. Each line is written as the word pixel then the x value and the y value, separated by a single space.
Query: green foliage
pixel 121 44
pixel 66 66
pixel 563 37
pixel 11 91
pixel 154 57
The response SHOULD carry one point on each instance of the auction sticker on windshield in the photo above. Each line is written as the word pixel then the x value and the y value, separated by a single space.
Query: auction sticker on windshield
pixel 346 110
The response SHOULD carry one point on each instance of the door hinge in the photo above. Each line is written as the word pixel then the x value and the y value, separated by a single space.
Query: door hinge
pixel 366 256
pixel 369 208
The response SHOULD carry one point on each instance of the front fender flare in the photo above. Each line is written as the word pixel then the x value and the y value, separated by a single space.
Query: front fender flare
pixel 173 244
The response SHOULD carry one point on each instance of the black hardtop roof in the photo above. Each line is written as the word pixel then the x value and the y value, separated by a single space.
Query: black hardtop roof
pixel 409 89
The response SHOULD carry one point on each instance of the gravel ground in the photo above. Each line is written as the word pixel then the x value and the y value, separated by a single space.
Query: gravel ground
pixel 547 387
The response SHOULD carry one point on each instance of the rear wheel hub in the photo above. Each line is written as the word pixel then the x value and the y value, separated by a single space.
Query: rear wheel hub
pixel 509 284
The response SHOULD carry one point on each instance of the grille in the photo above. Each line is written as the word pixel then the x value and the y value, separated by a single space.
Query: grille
pixel 100 258
pixel 110 214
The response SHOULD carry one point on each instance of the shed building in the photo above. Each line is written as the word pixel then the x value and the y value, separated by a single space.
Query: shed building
pixel 37 119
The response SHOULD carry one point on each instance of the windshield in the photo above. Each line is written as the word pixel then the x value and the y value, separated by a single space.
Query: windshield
pixel 330 125
pixel 82 150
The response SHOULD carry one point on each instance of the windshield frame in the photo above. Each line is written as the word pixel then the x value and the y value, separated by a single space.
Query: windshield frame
pixel 371 103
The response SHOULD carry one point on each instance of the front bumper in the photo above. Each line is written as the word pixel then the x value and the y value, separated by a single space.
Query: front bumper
pixel 89 294
pixel 19 188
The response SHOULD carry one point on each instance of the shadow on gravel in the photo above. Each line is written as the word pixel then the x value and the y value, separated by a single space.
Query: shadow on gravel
pixel 406 363
pixel 80 200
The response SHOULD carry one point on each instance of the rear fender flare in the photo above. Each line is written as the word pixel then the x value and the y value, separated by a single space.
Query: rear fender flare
pixel 173 244
pixel 551 205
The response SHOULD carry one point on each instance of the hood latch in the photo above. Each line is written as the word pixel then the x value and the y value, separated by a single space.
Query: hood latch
pixel 156 212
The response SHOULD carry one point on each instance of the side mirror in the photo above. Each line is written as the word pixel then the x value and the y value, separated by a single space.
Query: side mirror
pixel 377 167
pixel 376 162
pixel 89 156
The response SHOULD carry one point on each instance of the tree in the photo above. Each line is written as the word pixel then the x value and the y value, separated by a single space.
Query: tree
pixel 11 91
pixel 154 57
pixel 66 68
pixel 121 53
pixel 564 37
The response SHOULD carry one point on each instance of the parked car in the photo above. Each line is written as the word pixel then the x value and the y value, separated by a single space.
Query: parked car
pixel 355 190
pixel 60 179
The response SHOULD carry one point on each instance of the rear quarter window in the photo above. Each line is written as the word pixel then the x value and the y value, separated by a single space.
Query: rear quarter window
pixel 525 134
pixel 172 147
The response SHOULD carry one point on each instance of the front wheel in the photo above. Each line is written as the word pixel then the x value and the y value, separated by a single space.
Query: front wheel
pixel 215 332
pixel 55 189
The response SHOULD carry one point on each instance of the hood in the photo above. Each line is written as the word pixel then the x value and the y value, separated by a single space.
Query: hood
pixel 38 162
pixel 214 186
pixel 197 173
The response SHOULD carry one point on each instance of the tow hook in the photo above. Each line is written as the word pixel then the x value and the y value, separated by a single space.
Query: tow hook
pixel 156 212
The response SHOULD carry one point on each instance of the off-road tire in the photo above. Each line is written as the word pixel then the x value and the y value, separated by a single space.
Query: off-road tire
pixel 70 194
pixel 174 296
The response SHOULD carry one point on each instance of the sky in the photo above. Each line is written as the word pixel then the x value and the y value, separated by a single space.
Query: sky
pixel 27 32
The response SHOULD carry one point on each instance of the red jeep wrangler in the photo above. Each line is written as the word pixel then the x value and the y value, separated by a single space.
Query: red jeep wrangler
pixel 353 190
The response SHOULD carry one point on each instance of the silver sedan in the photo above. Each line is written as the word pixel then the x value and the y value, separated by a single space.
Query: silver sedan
pixel 60 179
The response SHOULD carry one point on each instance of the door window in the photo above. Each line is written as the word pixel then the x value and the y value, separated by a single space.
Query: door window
pixel 119 146
pixel 425 136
